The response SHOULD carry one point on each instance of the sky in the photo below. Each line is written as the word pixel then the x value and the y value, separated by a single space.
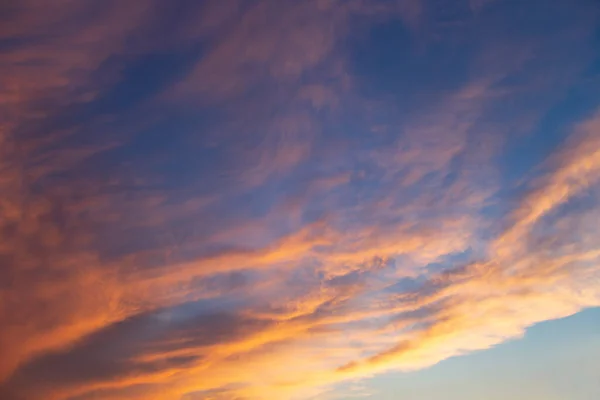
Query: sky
pixel 299 199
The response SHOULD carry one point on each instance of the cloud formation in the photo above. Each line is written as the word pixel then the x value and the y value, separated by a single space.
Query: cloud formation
pixel 263 199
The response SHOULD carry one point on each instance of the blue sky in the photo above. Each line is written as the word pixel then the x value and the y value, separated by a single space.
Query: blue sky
pixel 555 360
pixel 316 199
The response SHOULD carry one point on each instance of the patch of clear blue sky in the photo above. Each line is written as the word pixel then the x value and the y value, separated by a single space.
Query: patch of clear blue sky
pixel 556 360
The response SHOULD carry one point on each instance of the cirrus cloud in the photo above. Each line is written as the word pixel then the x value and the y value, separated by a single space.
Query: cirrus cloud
pixel 263 199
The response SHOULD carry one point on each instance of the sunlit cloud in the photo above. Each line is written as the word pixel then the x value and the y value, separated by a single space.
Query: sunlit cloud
pixel 270 199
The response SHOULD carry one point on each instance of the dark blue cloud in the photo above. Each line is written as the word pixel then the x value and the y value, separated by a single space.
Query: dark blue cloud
pixel 393 61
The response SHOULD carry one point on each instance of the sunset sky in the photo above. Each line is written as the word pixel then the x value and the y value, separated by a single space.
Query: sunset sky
pixel 299 199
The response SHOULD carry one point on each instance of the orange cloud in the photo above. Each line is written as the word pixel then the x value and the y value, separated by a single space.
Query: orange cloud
pixel 293 258
pixel 481 305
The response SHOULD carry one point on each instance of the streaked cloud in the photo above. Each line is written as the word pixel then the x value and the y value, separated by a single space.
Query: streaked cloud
pixel 266 199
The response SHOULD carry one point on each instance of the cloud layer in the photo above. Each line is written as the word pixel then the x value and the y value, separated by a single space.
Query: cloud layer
pixel 263 199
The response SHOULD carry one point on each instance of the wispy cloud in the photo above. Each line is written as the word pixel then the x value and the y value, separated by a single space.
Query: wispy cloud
pixel 229 200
